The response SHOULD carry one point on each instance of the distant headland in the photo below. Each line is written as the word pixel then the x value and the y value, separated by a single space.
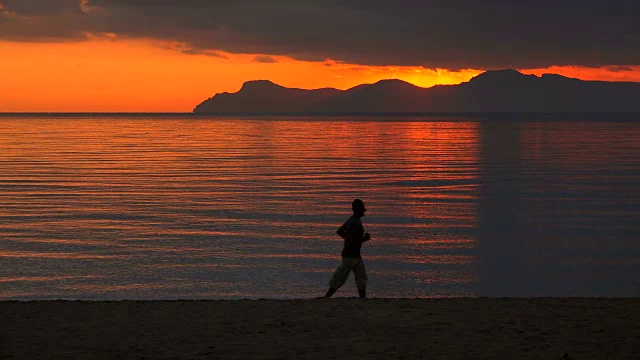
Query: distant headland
pixel 490 92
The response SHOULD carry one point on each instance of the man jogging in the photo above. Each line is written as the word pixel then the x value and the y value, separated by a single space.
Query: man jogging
pixel 353 234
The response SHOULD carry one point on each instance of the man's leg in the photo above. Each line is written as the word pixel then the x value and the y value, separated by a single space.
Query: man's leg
pixel 360 273
pixel 330 292
pixel 362 293
pixel 340 276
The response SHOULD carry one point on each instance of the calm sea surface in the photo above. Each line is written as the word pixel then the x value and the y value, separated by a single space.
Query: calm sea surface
pixel 179 206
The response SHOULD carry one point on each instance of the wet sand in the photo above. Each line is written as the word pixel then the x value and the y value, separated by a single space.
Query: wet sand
pixel 459 328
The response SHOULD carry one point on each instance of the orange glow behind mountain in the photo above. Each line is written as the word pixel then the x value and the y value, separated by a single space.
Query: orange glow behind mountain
pixel 144 75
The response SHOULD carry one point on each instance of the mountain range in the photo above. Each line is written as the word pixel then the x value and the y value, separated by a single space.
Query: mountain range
pixel 493 91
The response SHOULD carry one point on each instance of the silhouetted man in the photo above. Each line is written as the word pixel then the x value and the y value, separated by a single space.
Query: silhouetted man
pixel 353 234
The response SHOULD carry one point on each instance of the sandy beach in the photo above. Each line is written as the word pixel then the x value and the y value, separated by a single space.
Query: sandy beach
pixel 458 328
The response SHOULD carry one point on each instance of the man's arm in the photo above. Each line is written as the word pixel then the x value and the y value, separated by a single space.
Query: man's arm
pixel 366 237
pixel 342 230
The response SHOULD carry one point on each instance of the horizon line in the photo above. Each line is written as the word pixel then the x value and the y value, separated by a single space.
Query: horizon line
pixel 191 113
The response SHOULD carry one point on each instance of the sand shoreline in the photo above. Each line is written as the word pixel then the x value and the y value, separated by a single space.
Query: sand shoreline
pixel 451 328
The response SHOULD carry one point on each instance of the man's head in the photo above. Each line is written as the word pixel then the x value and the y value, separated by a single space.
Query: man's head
pixel 358 208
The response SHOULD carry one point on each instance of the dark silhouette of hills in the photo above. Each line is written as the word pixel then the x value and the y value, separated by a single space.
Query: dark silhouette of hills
pixel 263 96
pixel 491 91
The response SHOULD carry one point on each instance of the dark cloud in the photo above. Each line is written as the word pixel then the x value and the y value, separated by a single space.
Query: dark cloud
pixel 265 59
pixel 40 7
pixel 619 68
pixel 432 33
pixel 204 52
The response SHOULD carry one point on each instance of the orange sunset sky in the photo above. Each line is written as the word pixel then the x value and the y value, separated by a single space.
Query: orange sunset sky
pixel 143 75
pixel 139 72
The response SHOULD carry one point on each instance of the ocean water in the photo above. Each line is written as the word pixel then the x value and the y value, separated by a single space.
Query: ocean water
pixel 177 206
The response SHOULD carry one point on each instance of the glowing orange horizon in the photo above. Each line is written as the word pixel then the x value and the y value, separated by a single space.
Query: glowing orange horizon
pixel 115 75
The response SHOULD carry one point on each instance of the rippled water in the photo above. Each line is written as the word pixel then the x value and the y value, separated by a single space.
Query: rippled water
pixel 180 206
